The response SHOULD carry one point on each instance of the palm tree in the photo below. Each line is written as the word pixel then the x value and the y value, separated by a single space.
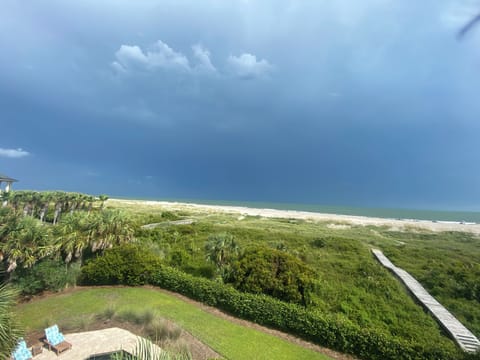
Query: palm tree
pixel 72 235
pixel 16 199
pixel 221 249
pixel 5 196
pixel 38 201
pixel 74 201
pixel 79 231
pixel 27 199
pixel 9 329
pixel 103 198
pixel 8 221
pixel 24 241
pixel 112 227
pixel 60 201
pixel 45 199
pixel 90 200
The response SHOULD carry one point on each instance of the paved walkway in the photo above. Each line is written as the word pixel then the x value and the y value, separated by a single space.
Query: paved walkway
pixel 462 336
pixel 88 343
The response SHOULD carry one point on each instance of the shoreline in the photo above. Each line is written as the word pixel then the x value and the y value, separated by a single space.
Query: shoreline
pixel 395 224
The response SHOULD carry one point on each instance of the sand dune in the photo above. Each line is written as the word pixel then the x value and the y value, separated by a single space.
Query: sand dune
pixel 397 224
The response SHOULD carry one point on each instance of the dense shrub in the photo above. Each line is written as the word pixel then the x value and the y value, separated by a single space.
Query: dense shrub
pixel 179 258
pixel 330 330
pixel 272 272
pixel 51 275
pixel 127 264
pixel 318 242
pixel 324 329
pixel 169 215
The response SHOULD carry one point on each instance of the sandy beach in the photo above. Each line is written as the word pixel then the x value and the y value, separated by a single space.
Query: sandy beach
pixel 336 219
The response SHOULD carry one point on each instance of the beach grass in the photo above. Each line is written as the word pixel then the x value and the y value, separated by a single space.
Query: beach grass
pixel 351 282
pixel 231 340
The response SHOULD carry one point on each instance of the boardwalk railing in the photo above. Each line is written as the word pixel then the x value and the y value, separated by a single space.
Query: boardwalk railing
pixel 462 336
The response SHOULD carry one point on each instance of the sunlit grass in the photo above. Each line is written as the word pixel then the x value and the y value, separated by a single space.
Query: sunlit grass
pixel 230 340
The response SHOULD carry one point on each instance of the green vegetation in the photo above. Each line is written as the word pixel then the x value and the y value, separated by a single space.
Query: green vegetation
pixel 349 282
pixel 36 246
pixel 47 274
pixel 47 205
pixel 230 340
pixel 9 329
pixel 94 231
pixel 348 300
pixel 327 329
pixel 262 270
pixel 145 350
pixel 125 265
pixel 448 265
pixel 221 249
pixel 153 327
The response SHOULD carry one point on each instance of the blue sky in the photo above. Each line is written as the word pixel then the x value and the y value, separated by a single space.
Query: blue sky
pixel 364 103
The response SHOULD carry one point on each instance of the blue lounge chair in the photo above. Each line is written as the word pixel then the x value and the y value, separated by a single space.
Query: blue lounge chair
pixel 55 340
pixel 21 351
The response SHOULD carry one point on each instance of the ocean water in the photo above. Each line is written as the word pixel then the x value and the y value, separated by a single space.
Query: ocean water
pixel 433 215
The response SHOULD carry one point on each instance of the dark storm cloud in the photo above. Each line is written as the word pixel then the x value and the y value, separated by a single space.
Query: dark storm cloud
pixel 361 103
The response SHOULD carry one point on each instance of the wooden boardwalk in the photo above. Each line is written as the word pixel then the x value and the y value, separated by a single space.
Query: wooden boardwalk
pixel 462 336
pixel 167 223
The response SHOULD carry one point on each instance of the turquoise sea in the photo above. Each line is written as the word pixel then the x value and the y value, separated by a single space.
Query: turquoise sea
pixel 433 215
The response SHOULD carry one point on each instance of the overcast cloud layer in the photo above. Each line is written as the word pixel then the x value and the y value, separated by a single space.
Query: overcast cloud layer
pixel 362 103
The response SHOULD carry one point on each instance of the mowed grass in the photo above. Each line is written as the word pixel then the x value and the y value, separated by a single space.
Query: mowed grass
pixel 231 340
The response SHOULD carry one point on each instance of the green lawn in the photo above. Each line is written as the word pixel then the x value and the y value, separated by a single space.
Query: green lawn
pixel 230 340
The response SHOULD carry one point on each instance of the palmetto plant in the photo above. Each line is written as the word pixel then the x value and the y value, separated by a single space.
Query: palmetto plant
pixel 221 249
pixel 147 350
pixel 9 330
pixel 103 198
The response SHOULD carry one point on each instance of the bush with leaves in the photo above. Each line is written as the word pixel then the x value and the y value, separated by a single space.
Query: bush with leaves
pixel 128 264
pixel 48 274
pixel 326 329
pixel 262 270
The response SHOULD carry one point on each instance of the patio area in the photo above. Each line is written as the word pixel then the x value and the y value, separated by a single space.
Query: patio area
pixel 88 343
